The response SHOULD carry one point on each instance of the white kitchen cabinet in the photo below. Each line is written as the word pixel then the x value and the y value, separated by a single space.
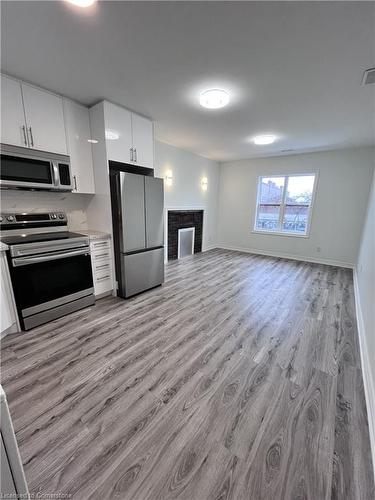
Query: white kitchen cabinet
pixel 78 133
pixel 31 117
pixel 143 141
pixel 129 137
pixel 13 480
pixel 8 313
pixel 118 133
pixel 102 267
pixel 44 120
pixel 13 130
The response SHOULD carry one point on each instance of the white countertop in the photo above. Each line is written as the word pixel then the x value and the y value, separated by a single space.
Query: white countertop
pixel 94 235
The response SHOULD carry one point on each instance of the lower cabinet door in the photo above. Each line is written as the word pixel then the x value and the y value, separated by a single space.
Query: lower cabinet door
pixel 143 270
pixel 8 488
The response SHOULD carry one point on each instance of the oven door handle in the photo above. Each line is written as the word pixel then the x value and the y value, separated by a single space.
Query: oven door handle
pixel 25 261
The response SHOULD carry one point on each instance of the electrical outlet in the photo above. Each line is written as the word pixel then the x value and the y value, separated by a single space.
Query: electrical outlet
pixel 318 249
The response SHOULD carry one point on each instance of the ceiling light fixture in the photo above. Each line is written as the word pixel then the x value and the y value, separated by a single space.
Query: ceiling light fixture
pixel 82 3
pixel 214 98
pixel 92 141
pixel 262 140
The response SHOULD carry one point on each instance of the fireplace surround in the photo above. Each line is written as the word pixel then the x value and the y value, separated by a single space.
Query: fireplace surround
pixel 181 219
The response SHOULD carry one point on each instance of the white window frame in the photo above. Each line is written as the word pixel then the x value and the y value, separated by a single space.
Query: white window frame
pixel 282 205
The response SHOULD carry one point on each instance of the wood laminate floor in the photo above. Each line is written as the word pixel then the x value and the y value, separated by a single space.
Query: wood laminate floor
pixel 240 378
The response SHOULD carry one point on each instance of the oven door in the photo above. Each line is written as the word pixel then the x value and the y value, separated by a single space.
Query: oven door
pixel 44 282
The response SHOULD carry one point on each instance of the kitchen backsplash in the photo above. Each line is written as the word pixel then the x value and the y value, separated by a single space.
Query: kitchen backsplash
pixel 73 204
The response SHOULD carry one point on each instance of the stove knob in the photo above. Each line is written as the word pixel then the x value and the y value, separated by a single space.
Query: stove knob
pixel 10 218
pixel 53 216
pixel 1 218
pixel 61 216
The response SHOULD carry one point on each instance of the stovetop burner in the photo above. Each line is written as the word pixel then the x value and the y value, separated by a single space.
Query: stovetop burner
pixel 38 237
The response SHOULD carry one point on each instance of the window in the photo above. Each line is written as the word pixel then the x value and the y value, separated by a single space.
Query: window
pixel 284 204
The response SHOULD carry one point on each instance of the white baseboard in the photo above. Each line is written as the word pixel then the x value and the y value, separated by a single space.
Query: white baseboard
pixel 327 262
pixel 366 369
pixel 209 247
pixel 12 329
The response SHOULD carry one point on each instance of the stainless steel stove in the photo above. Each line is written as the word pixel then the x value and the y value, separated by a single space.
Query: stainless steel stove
pixel 50 267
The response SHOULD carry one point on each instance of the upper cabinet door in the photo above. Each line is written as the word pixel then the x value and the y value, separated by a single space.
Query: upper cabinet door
pixel 78 134
pixel 45 120
pixel 143 141
pixel 13 130
pixel 118 133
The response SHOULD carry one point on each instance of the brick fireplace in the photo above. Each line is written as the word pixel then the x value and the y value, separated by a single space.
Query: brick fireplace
pixel 181 219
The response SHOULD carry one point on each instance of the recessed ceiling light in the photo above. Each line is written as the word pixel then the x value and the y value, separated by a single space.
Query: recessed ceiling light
pixel 261 140
pixel 214 98
pixel 92 141
pixel 82 3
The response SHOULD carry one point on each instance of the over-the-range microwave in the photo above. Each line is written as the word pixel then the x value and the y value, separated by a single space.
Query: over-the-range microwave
pixel 23 168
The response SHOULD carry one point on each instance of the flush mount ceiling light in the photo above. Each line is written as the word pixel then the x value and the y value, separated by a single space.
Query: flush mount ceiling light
pixel 368 77
pixel 214 98
pixel 81 3
pixel 92 141
pixel 262 140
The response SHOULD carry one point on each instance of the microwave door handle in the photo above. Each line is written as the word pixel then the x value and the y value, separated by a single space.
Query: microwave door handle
pixel 56 174
pixel 24 135
pixel 24 261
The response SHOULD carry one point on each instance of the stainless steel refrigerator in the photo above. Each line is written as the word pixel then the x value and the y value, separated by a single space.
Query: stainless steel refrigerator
pixel 138 223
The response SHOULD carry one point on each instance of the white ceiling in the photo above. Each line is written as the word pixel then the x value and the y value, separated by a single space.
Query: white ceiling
pixel 293 68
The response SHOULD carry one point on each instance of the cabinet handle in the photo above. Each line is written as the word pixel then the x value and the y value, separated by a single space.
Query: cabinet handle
pixel 75 182
pixel 24 135
pixel 131 154
pixel 102 266
pixel 31 137
pixel 103 278
pixel 135 153
pixel 102 254
pixel 101 244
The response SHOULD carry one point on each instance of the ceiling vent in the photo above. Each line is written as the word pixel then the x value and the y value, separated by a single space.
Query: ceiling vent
pixel 368 76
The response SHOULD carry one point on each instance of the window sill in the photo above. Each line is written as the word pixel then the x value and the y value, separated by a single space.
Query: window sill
pixel 279 233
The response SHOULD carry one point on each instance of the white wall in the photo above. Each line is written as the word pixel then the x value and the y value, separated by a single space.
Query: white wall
pixel 365 299
pixel 344 179
pixel 366 276
pixel 99 214
pixel 187 171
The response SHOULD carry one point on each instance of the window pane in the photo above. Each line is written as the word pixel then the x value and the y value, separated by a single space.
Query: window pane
pixel 270 198
pixel 297 203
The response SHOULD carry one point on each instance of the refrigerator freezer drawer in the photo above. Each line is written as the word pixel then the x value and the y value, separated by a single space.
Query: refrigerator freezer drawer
pixel 143 271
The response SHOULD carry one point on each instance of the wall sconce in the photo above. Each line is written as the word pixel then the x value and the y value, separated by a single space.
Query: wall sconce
pixel 204 183
pixel 168 178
